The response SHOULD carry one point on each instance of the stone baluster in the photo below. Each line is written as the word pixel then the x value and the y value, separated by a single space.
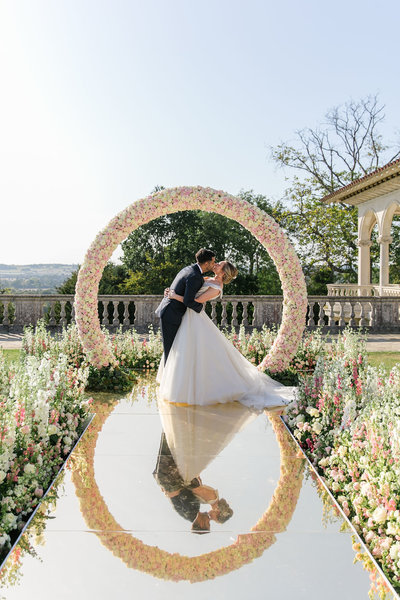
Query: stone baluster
pixel 115 322
pixel 139 313
pixel 234 313
pixel 311 321
pixel 363 320
pixel 321 320
pixel 373 314
pixel 214 312
pixel 106 319
pixel 352 321
pixel 224 321
pixel 245 319
pixel 102 311
pixel 331 318
pixel 126 322
pixel 341 322
pixel 63 314
pixel 52 316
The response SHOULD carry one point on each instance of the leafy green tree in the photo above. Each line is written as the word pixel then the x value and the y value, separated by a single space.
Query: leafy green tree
pixel 113 276
pixel 347 146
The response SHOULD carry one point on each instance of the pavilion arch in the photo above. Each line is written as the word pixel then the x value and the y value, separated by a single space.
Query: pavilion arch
pixel 387 219
pixel 366 225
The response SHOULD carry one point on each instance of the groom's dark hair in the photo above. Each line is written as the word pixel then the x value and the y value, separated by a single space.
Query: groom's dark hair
pixel 203 255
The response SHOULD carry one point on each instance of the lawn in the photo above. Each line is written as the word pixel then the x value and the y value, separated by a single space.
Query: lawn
pixel 11 355
pixel 388 359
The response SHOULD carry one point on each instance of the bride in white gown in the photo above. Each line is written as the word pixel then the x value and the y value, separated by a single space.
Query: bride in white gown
pixel 203 367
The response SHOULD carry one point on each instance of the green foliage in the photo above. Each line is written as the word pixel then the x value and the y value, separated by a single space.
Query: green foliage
pixel 109 379
pixel 153 280
pixel 317 283
pixel 325 236
pixel 113 276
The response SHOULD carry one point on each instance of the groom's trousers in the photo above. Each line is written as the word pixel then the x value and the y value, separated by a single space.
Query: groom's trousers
pixel 169 330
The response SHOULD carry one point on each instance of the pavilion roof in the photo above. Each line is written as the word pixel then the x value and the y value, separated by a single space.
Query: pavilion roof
pixel 382 181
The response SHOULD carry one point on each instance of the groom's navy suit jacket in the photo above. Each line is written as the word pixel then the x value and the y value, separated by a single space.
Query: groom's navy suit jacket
pixel 187 283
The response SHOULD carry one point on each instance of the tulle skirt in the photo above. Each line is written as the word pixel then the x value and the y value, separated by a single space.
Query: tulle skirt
pixel 203 368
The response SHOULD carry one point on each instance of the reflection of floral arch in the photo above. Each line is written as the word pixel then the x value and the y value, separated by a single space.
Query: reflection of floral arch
pixel 259 223
pixel 160 563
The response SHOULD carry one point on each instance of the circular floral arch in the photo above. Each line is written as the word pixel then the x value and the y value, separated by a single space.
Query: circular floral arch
pixel 168 201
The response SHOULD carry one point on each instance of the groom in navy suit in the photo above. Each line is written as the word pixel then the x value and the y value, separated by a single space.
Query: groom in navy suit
pixel 187 283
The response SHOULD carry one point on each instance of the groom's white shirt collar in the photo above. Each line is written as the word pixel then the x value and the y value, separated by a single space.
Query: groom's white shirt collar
pixel 199 268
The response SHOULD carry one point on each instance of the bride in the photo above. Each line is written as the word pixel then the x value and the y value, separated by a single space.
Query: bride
pixel 203 367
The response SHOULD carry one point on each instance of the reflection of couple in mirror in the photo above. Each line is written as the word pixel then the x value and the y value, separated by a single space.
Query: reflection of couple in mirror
pixel 192 437
pixel 187 496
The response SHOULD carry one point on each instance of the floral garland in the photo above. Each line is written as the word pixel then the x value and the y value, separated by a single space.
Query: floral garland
pixel 175 567
pixel 256 221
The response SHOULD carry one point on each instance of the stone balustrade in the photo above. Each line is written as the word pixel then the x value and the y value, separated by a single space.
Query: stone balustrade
pixel 376 313
pixel 353 289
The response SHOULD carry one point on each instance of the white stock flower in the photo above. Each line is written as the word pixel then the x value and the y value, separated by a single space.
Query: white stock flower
pixel 379 515
pixel 317 427
pixel 29 468
pixel 313 412
pixel 9 520
pixel 365 488
pixel 394 551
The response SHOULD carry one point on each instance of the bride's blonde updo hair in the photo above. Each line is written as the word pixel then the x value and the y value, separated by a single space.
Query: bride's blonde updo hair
pixel 229 272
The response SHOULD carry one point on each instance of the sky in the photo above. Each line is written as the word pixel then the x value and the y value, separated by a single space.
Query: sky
pixel 100 101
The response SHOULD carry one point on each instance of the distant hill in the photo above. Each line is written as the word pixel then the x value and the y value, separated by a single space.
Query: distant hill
pixel 35 278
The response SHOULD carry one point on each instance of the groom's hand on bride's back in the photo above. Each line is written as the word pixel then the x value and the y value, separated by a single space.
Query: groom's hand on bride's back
pixel 166 292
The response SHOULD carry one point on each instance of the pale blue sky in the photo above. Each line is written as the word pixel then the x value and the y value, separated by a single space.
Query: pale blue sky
pixel 100 101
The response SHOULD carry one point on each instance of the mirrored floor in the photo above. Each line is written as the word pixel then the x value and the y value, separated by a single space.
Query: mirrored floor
pixel 147 477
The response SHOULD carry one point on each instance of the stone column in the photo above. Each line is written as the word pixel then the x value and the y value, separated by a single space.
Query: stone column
pixel 364 266
pixel 384 242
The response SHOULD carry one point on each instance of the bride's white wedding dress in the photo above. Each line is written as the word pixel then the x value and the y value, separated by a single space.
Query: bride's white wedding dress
pixel 196 435
pixel 203 367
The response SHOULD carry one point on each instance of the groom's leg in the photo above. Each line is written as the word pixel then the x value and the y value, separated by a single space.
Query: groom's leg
pixel 168 332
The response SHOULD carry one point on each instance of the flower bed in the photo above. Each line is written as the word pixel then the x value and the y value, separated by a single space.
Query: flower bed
pixel 42 410
pixel 132 352
pixel 346 418
pixel 257 344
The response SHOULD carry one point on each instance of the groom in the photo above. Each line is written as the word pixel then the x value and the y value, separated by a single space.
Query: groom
pixel 187 283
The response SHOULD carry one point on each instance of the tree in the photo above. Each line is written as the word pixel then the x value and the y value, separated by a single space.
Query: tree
pixel 348 145
pixel 113 276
